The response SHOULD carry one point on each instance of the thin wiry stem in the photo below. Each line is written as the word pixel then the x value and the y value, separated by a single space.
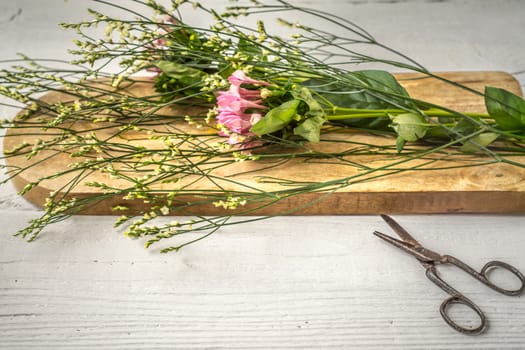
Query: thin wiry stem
pixel 102 127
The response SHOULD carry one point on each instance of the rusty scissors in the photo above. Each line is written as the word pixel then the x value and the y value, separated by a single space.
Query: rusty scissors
pixel 430 259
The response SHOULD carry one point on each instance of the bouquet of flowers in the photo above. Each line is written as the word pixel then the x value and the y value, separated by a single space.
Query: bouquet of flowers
pixel 199 122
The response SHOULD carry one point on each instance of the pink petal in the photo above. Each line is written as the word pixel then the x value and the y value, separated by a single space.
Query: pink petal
pixel 235 103
pixel 239 77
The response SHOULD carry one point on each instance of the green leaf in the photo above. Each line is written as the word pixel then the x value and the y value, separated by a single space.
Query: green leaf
pixel 314 108
pixel 276 119
pixel 183 74
pixel 466 126
pixel 310 129
pixel 409 126
pixel 366 89
pixel 400 143
pixel 383 81
pixel 506 108
pixel 475 143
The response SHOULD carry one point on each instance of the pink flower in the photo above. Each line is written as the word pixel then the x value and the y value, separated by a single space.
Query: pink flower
pixel 235 122
pixel 160 42
pixel 228 100
pixel 253 95
pixel 168 19
pixel 239 77
pixel 239 110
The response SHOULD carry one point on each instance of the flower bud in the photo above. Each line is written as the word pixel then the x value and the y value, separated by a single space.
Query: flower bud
pixel 266 93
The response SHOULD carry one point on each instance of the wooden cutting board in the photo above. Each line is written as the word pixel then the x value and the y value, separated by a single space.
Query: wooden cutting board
pixel 492 188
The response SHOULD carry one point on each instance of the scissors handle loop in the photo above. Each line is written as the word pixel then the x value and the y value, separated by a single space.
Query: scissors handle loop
pixel 483 275
pixel 502 265
pixel 460 299
pixel 455 298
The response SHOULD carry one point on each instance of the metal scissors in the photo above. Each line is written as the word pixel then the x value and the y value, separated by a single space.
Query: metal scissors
pixel 430 259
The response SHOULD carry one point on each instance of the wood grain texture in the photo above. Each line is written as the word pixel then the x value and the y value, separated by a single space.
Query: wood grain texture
pixel 276 289
pixel 322 282
pixel 436 188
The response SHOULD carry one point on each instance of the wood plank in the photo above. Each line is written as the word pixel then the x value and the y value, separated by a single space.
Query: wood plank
pixel 494 188
pixel 254 286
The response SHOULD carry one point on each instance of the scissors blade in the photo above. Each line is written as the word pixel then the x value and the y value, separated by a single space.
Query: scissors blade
pixel 408 243
pixel 407 247
pixel 401 232
pixel 394 241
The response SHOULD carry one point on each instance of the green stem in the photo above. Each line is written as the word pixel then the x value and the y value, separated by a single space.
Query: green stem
pixel 339 113
pixel 441 113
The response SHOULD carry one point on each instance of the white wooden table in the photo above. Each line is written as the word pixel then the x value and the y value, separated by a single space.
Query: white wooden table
pixel 289 282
